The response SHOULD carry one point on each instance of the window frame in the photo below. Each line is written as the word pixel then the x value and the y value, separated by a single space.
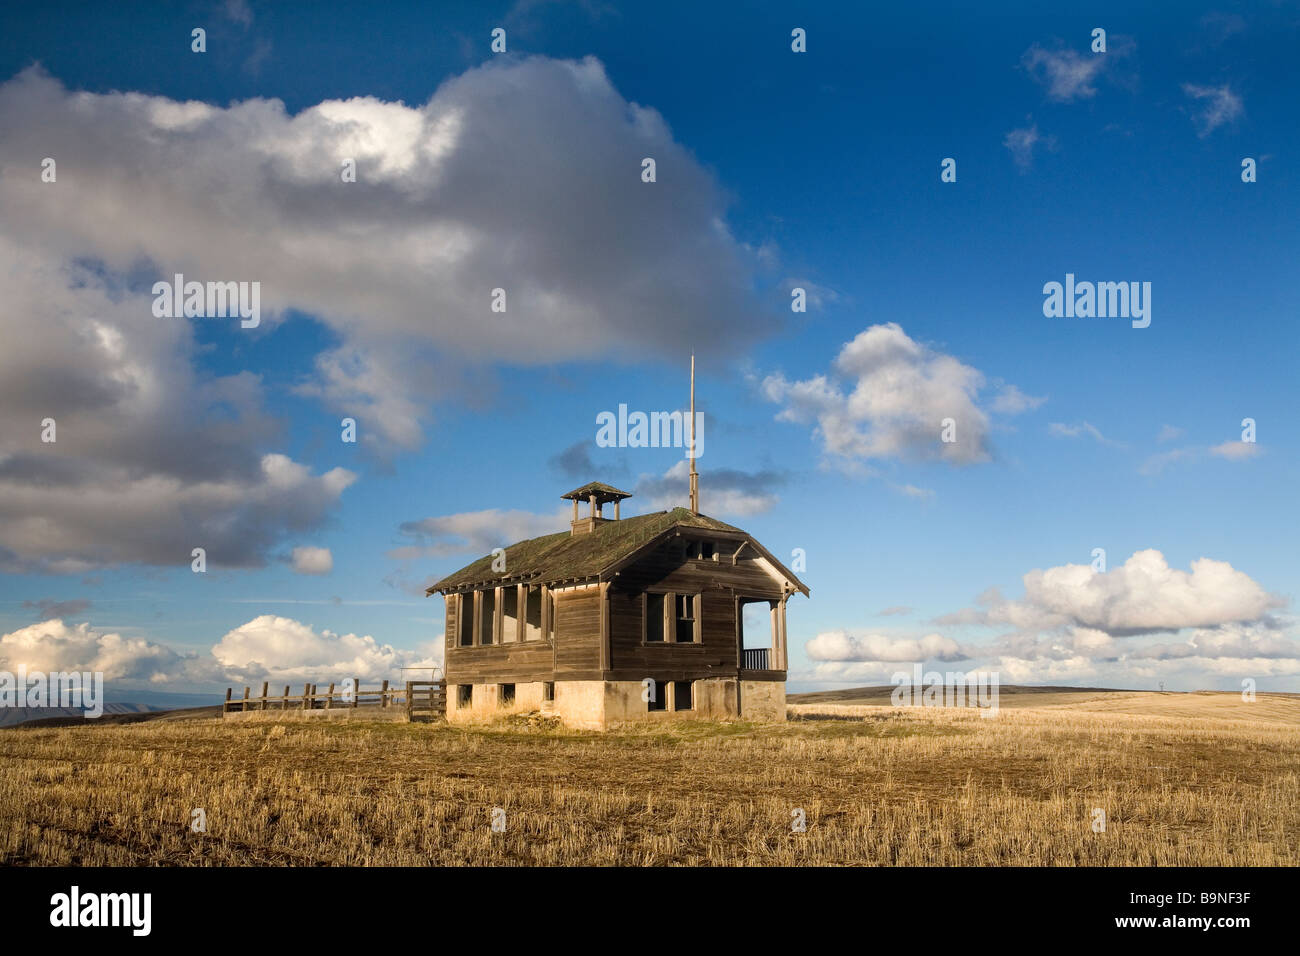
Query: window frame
pixel 696 607
pixel 463 599
pixel 670 618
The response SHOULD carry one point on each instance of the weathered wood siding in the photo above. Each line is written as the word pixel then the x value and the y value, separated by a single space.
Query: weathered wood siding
pixel 718 583
pixel 577 653
pixel 495 663
pixel 577 634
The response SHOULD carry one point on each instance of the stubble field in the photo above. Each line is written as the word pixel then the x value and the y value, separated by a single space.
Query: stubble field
pixel 1185 779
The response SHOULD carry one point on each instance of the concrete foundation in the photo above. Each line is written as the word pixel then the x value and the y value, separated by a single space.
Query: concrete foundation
pixel 489 700
pixel 762 699
pixel 599 705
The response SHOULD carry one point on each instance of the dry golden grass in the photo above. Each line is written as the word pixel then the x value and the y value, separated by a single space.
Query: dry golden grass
pixel 1216 786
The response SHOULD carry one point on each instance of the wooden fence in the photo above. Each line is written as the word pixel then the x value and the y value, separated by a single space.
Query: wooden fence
pixel 422 698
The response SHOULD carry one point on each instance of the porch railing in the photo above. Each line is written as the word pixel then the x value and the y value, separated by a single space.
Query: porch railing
pixel 754 658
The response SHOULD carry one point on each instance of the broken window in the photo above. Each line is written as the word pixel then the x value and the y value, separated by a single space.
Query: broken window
pixel 686 607
pixel 506 697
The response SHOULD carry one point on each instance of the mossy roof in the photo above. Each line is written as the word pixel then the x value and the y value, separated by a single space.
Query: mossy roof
pixel 553 558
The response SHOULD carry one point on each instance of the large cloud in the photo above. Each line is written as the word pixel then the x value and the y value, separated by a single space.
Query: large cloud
pixel 1138 624
pixel 521 174
pixel 843 646
pixel 266 648
pixel 1143 595
pixel 55 646
pixel 899 392
pixel 280 648
pixel 150 460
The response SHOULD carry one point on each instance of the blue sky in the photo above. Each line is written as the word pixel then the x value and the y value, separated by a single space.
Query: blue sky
pixel 776 169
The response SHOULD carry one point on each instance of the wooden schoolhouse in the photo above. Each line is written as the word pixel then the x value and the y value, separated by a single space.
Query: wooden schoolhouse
pixel 621 619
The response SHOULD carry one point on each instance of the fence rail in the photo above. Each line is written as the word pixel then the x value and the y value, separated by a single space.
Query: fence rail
pixel 754 658
pixel 422 697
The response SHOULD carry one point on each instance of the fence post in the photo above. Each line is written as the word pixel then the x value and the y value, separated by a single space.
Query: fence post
pixel 225 708
pixel 383 694
pixel 329 697
pixel 265 687
pixel 284 704
pixel 356 692
pixel 244 706
pixel 306 694
pixel 409 685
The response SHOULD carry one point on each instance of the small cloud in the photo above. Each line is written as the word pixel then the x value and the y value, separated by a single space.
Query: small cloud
pixel 843 646
pixel 723 491
pixel 1012 401
pixel 895 609
pixel 1022 142
pixel 575 461
pixel 1157 463
pixel 1236 450
pixel 1221 26
pixel 1061 430
pixel 912 491
pixel 1220 106
pixel 1170 433
pixel 888 396
pixel 476 532
pixel 818 295
pixel 48 608
pixel 261 53
pixel 312 561
pixel 1068 75
pixel 238 11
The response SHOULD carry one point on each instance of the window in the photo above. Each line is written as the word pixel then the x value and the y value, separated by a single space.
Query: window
pixel 464 695
pixel 465 620
pixel 510 614
pixel 654 618
pixel 487 616
pixel 659 696
pixel 506 697
pixel 685 615
pixel 548 691
pixel 533 614
pixel 707 551
pixel 682 695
